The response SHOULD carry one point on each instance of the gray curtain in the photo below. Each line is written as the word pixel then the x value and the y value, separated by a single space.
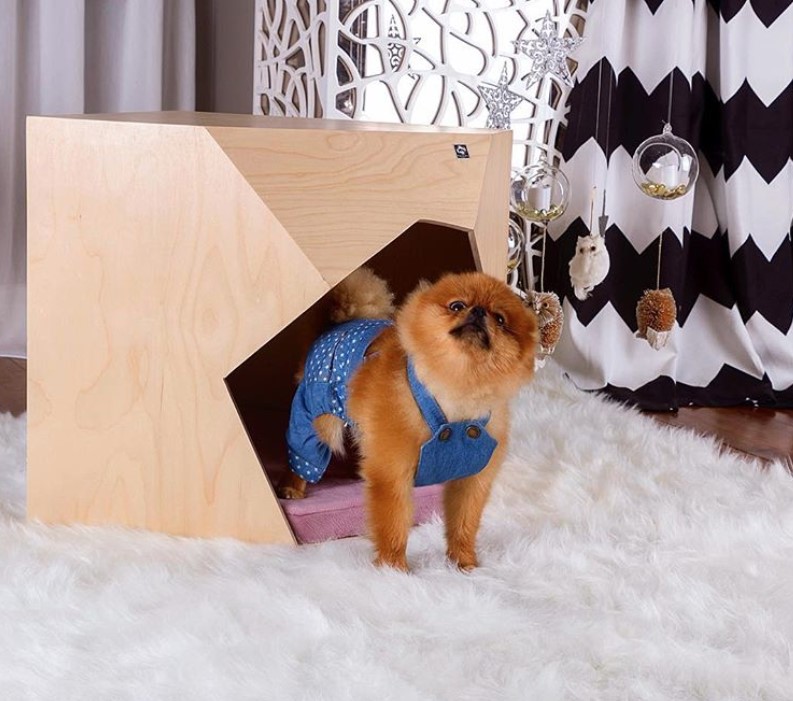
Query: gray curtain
pixel 74 56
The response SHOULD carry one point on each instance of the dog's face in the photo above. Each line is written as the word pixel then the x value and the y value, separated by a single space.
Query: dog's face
pixel 472 328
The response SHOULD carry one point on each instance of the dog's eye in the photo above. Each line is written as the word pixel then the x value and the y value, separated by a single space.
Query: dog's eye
pixel 499 319
pixel 591 248
pixel 580 250
pixel 457 306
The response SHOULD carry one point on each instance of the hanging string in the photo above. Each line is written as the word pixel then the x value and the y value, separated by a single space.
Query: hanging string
pixel 597 114
pixel 597 117
pixel 658 274
pixel 608 123
pixel 669 122
pixel 671 89
pixel 608 155
pixel 542 260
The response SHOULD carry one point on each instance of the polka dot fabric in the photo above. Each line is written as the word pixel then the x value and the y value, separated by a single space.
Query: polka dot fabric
pixel 331 362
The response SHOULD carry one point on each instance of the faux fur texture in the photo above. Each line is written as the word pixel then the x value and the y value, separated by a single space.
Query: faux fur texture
pixel 620 560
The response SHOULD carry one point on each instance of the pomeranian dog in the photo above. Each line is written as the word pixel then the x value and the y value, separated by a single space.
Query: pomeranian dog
pixel 425 394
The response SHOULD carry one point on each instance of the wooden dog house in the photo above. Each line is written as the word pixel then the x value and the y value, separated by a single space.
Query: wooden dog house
pixel 178 267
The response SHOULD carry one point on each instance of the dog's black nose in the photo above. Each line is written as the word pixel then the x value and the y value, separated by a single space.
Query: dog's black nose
pixel 478 312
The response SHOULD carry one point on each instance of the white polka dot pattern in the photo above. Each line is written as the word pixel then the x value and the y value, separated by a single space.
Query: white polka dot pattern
pixel 331 362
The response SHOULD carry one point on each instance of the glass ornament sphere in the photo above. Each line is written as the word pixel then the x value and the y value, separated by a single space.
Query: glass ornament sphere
pixel 540 192
pixel 516 245
pixel 665 166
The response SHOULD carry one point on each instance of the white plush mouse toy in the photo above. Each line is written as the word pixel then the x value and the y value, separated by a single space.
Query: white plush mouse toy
pixel 589 265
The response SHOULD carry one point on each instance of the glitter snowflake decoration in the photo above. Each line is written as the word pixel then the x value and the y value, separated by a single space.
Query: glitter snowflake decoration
pixel 548 52
pixel 500 102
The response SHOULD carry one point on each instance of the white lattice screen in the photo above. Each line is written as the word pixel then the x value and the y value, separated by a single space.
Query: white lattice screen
pixel 411 61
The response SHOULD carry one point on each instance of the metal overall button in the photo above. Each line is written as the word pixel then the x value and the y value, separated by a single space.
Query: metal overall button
pixel 445 434
pixel 473 432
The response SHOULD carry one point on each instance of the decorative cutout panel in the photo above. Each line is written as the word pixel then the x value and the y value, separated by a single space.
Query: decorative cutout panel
pixel 411 61
pixel 443 62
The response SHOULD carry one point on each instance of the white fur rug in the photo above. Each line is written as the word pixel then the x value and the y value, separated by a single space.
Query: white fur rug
pixel 621 560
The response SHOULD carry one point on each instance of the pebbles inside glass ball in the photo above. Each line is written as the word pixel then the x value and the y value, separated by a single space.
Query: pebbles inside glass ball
pixel 665 166
pixel 539 192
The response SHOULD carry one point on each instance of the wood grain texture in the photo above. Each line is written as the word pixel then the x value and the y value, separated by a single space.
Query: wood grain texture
pixel 491 222
pixel 154 270
pixel 164 252
pixel 345 195
pixel 759 432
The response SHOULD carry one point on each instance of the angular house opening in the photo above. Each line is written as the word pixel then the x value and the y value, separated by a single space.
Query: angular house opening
pixel 262 387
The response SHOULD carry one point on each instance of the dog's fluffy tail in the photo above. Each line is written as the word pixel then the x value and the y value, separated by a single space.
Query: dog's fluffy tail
pixel 330 430
pixel 362 295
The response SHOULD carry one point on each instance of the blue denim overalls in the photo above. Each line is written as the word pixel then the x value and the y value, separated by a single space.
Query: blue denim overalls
pixel 457 449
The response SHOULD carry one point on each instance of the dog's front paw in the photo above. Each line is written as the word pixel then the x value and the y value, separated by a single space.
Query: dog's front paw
pixel 465 561
pixel 394 560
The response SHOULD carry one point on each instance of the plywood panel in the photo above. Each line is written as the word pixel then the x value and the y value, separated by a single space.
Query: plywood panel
pixel 345 195
pixel 492 221
pixel 154 271
pixel 164 251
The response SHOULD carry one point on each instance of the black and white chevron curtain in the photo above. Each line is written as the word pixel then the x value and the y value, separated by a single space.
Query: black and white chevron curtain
pixel 727 253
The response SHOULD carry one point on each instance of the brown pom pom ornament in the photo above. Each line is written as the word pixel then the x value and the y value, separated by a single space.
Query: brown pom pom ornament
pixel 656 313
pixel 550 318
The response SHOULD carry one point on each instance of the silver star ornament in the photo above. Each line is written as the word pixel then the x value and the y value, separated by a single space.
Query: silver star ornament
pixel 396 51
pixel 548 52
pixel 500 102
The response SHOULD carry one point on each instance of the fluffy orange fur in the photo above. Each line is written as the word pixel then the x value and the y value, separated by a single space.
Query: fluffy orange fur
pixel 362 295
pixel 472 342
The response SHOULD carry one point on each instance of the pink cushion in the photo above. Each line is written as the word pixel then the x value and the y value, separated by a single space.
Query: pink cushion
pixel 334 508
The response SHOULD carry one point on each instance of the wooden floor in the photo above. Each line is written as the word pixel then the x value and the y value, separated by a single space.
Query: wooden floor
pixel 13 392
pixel 763 433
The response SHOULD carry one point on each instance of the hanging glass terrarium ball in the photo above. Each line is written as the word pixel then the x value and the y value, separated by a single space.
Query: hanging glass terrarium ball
pixel 516 242
pixel 539 192
pixel 665 166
